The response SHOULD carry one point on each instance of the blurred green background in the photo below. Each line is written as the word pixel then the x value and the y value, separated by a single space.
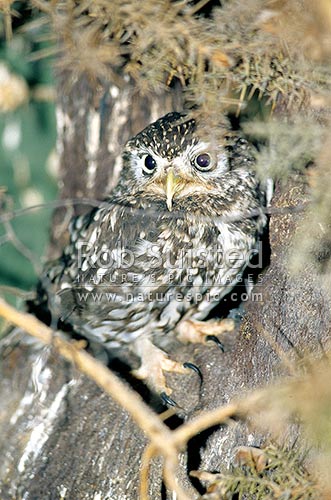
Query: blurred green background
pixel 28 161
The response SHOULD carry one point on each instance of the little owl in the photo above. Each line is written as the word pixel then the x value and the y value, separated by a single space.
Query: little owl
pixel 163 249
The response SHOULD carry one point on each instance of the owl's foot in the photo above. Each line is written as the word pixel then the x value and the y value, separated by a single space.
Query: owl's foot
pixel 200 332
pixel 154 362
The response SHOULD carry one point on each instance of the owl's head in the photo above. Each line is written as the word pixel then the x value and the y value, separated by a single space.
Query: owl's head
pixel 169 160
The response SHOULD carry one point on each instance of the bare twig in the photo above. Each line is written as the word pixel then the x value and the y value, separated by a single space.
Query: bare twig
pixel 20 247
pixel 92 202
pixel 146 419
pixel 12 214
pixel 17 292
pixel 163 442
pixel 128 399
pixel 220 415
pixel 148 455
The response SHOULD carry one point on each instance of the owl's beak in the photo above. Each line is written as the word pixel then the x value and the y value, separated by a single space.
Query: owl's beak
pixel 171 186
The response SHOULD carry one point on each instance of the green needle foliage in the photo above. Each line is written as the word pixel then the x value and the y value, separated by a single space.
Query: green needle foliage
pixel 284 477
pixel 214 51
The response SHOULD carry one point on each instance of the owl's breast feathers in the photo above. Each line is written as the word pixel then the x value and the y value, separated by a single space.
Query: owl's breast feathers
pixel 134 267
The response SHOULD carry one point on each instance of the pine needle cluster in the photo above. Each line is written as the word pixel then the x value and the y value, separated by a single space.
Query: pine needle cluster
pixel 283 477
pixel 285 467
pixel 222 55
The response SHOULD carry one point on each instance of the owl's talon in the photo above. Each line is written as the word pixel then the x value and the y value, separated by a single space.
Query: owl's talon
pixel 213 338
pixel 168 400
pixel 154 362
pixel 193 367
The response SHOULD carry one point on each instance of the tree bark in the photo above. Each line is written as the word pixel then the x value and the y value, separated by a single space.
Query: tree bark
pixel 61 436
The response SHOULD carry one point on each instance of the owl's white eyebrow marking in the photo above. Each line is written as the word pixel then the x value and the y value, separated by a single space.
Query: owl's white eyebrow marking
pixel 197 147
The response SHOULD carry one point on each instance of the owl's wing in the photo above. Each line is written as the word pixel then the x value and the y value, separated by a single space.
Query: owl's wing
pixel 113 257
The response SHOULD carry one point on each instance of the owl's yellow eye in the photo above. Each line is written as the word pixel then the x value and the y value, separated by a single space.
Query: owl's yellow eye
pixel 149 164
pixel 203 162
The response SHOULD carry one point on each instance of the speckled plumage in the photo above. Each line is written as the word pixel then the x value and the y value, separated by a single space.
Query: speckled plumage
pixel 141 263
